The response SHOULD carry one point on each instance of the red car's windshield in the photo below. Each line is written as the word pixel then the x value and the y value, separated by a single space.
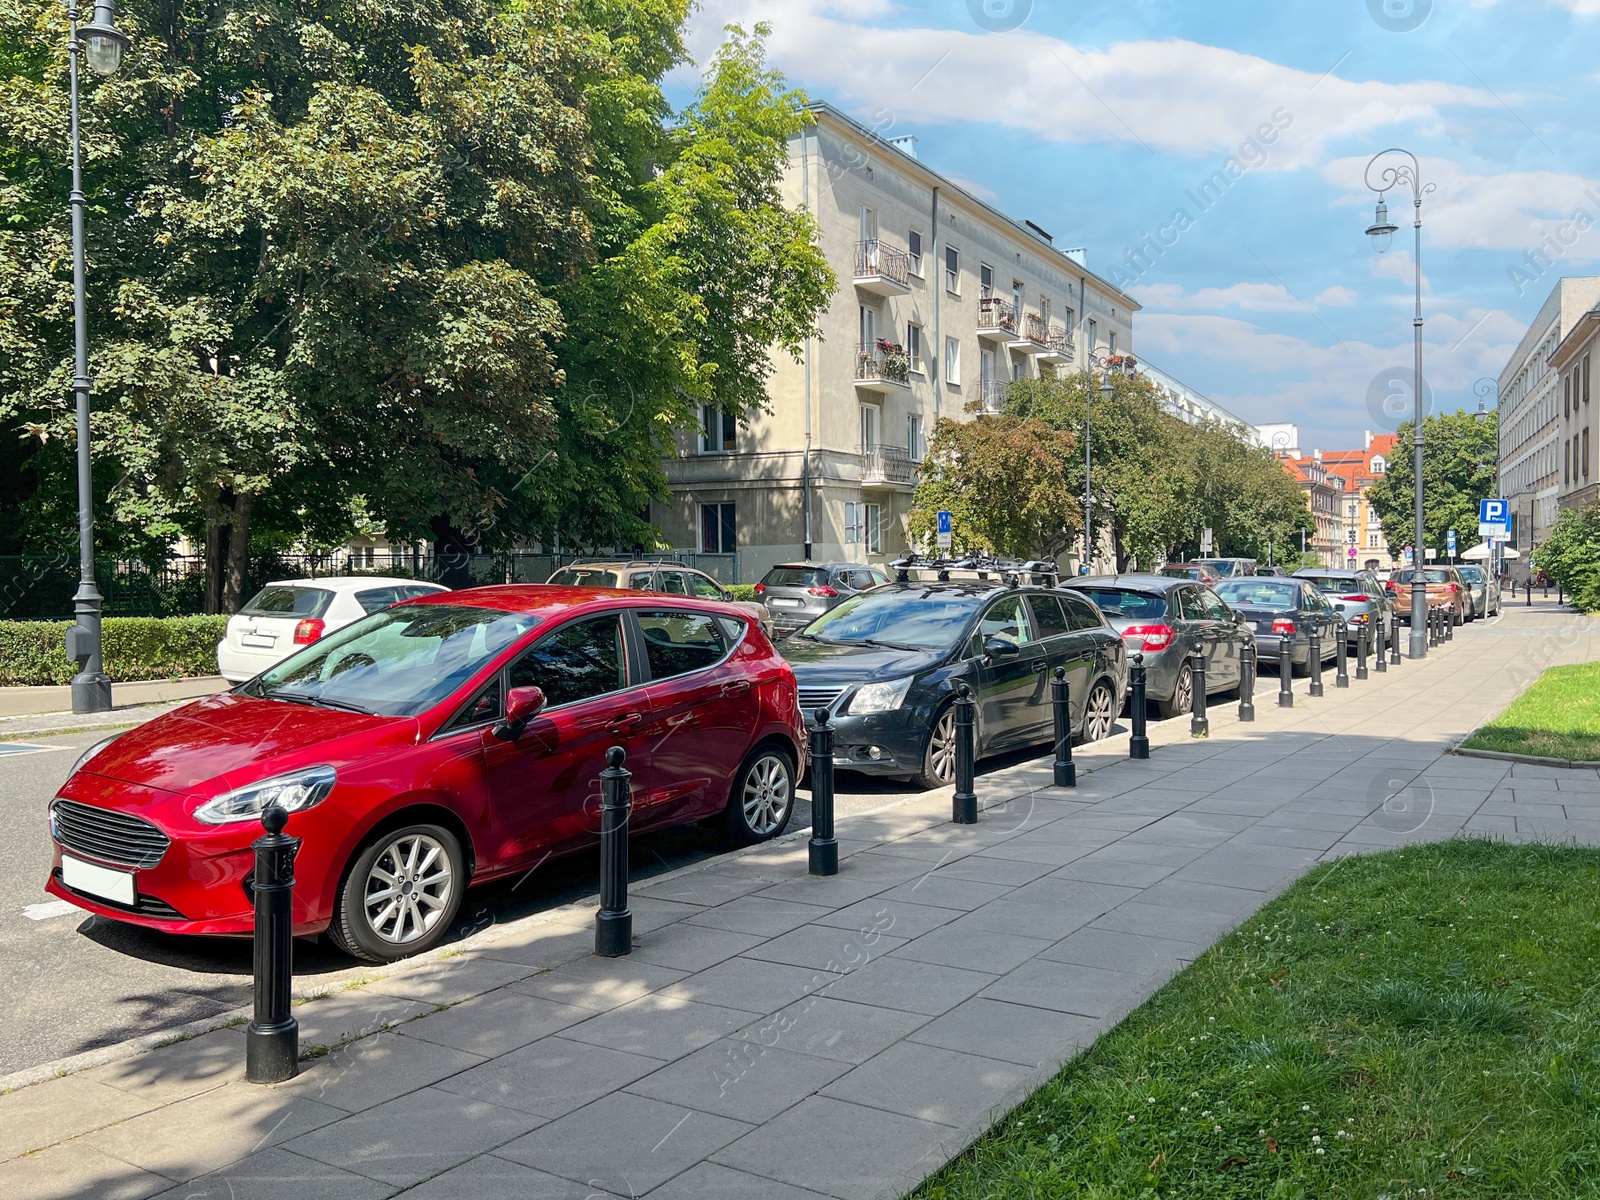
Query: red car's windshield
pixel 397 662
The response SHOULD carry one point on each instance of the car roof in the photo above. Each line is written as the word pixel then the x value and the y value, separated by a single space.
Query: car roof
pixel 823 566
pixel 624 564
pixel 1134 581
pixel 548 600
pixel 965 587
pixel 352 583
pixel 1327 573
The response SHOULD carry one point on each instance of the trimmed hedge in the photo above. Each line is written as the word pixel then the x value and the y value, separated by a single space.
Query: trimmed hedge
pixel 742 591
pixel 34 652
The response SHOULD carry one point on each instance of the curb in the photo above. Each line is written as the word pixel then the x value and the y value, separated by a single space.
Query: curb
pixel 1535 760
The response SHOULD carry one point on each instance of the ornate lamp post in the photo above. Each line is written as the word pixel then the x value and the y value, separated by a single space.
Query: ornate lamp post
pixel 101 43
pixel 1090 360
pixel 1484 389
pixel 1381 231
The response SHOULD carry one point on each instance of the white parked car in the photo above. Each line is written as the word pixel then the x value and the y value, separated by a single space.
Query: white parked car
pixel 291 613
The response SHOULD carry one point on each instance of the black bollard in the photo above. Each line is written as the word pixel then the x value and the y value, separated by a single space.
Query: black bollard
pixel 1529 593
pixel 1377 644
pixel 1286 671
pixel 824 846
pixel 1138 742
pixel 1199 723
pixel 1452 618
pixel 1314 660
pixel 1361 653
pixel 1394 639
pixel 1066 771
pixel 1561 593
pixel 1247 683
pixel 613 924
pixel 272 1040
pixel 964 805
pixel 1341 657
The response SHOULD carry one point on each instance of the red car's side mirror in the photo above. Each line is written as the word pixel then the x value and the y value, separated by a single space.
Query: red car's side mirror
pixel 523 704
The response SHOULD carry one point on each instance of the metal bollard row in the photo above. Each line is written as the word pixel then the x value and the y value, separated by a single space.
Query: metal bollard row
pixel 613 924
pixel 1247 683
pixel 272 1040
pixel 1285 671
pixel 964 805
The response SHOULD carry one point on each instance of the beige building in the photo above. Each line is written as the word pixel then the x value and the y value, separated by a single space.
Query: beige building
pixel 942 301
pixel 1533 430
pixel 1574 358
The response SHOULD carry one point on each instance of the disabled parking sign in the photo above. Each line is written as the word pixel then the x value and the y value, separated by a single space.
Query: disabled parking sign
pixel 945 527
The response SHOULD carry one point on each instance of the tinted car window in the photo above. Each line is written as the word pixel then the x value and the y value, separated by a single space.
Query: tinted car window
pixel 642 581
pixel 1006 618
pixel 411 590
pixel 1081 613
pixel 485 706
pixel 1260 589
pixel 704 586
pixel 284 601
pixel 1124 602
pixel 862 580
pixel 576 662
pixel 1053 621
pixel 1189 607
pixel 1215 609
pixel 585 577
pixel 676 643
pixel 922 620
pixel 672 583
pixel 373 599
pixel 793 577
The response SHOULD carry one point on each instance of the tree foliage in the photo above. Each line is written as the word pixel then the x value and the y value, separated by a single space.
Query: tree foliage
pixel 1157 481
pixel 1460 453
pixel 1571 555
pixel 456 260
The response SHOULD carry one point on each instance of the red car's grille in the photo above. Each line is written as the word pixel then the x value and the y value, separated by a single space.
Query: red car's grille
pixel 105 835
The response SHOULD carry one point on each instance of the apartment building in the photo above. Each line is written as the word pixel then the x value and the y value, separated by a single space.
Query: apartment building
pixel 942 301
pixel 1532 424
pixel 1361 528
pixel 1574 358
pixel 1194 408
pixel 1325 491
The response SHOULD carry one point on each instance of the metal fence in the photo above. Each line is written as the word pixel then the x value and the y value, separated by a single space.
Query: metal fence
pixel 40 587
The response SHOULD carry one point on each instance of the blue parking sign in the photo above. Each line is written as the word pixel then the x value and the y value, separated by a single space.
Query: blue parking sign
pixel 1494 519
pixel 944 521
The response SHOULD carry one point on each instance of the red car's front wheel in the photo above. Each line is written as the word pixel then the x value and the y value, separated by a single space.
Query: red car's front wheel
pixel 400 895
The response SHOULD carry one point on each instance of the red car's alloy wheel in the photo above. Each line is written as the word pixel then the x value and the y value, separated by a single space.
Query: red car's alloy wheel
pixel 401 894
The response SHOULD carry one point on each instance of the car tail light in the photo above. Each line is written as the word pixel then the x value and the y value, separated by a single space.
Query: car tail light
pixel 1358 599
pixel 308 631
pixel 1150 637
pixel 1283 625
pixel 760 587
pixel 824 590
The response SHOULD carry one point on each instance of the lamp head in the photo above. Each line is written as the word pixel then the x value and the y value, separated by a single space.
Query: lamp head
pixel 1382 230
pixel 1105 385
pixel 103 42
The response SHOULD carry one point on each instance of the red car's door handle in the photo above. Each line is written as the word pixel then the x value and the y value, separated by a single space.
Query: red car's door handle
pixel 737 687
pixel 626 723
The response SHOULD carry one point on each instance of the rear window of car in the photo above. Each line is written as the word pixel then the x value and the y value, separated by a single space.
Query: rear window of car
pixel 794 577
pixel 677 643
pixel 585 577
pixel 1261 590
pixel 1125 602
pixel 1427 576
pixel 1336 587
pixel 1472 574
pixel 280 600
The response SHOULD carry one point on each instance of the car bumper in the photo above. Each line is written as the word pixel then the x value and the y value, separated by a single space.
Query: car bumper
pixel 1269 649
pixel 237 665
pixel 889 743
pixel 1161 673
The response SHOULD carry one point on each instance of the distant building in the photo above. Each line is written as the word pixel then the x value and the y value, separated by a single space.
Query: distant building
pixel 1183 402
pixel 1574 357
pixel 1325 489
pixel 1362 529
pixel 1282 439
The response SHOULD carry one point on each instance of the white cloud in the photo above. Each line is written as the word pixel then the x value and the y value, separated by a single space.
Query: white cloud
pixel 1337 296
pixel 1167 95
pixel 1578 8
pixel 1254 297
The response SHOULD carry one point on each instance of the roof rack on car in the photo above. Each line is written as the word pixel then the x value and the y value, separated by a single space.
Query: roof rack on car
pixel 1011 571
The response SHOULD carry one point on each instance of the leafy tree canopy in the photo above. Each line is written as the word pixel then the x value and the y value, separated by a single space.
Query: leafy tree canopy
pixel 1460 453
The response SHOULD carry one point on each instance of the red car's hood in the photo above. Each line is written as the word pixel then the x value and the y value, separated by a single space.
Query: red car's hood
pixel 228 740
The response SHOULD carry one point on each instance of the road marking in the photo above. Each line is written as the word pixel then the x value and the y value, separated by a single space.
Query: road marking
pixel 23 748
pixel 50 910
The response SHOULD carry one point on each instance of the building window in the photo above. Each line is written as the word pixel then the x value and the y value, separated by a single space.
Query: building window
pixel 952 270
pixel 1017 296
pixel 719 431
pixel 1372 541
pixel 869 327
pixel 862 526
pixel 1111 342
pixel 1586 454
pixel 874 528
pixel 1586 379
pixel 1067 317
pixel 914 251
pixel 1566 396
pixel 952 361
pixel 717 529
pixel 1094 337
pixel 914 348
pixel 869 223
pixel 1378 464
pixel 985 280
pixel 869 428
pixel 1044 312
pixel 915 448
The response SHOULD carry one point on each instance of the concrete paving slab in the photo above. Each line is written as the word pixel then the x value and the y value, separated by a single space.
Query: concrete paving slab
pixel 752 985
pixel 1070 988
pixel 973 948
pixel 1119 950
pixel 910 986
pixel 452 980
pixel 828 947
pixel 599 983
pixel 488 1177
pixel 496 1022
pixel 709 1181
pixel 1016 1033
pixel 550 1077
pixel 663 1027
pixel 766 916
pixel 345 1016
pixel 688 948
pixel 371 1070
pixel 79 1170
pixel 902 919
pixel 184 1068
pixel 741 1079
pixel 281 1175
pixel 32 1118
pixel 827 1028
pixel 931 1084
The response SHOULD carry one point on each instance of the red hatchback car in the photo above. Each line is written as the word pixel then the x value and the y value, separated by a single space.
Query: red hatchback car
pixel 435 744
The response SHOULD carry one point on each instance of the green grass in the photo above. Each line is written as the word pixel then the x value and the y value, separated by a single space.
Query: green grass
pixel 1558 717
pixel 1416 1023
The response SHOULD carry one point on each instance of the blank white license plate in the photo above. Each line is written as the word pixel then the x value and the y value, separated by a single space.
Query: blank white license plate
pixel 91 880
pixel 258 641
pixel 776 603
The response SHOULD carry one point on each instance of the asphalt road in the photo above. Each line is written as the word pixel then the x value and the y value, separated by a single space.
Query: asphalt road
pixel 71 982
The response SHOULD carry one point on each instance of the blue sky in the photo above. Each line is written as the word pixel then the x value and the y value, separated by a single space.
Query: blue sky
pixel 1096 120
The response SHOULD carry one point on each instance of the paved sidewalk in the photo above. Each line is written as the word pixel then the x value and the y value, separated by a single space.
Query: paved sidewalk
pixel 774 1035
pixel 46 709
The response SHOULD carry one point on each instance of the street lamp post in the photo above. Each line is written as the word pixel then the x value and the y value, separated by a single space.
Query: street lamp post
pixel 1382 231
pixel 101 44
pixel 1484 389
pixel 1090 359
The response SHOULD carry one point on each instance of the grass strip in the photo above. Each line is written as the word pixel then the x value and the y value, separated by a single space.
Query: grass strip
pixel 1557 717
pixel 1418 1023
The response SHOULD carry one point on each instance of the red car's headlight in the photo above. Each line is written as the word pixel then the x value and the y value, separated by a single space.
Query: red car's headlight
pixel 294 792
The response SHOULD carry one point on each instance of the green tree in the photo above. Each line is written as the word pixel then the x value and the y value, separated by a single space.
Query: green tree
pixel 1004 482
pixel 1458 470
pixel 1571 555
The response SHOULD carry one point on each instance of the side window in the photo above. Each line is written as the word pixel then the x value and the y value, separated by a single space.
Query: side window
pixel 644 581
pixel 1081 613
pixel 864 580
pixel 878 577
pixel 1216 610
pixel 1047 612
pixel 704 586
pixel 672 583
pixel 1007 619
pixel 1311 599
pixel 485 706
pixel 406 593
pixel 576 662
pixel 676 643
pixel 1189 608
pixel 373 599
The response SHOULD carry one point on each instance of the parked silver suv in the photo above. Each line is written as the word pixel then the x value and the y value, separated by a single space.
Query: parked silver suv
pixel 798 593
pixel 1357 596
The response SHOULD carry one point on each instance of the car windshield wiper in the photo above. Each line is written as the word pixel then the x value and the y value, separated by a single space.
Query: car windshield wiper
pixel 316 701
pixel 873 642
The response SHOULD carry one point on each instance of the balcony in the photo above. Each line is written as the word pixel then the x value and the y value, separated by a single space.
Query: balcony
pixel 882 270
pixel 888 467
pixel 993 393
pixel 1057 346
pixel 997 319
pixel 883 367
pixel 1030 337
